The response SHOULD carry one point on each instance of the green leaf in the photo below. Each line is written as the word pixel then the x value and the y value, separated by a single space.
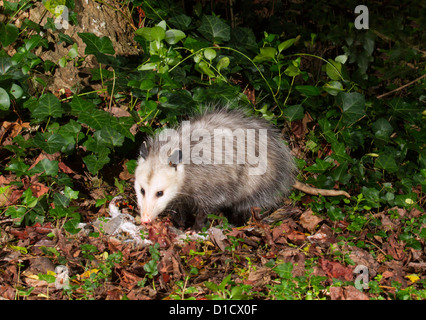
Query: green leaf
pixel 286 44
pixel 8 34
pixel 131 166
pixel 266 54
pixel 386 162
pixel 333 87
pixel 309 91
pixel 214 29
pixel 339 152
pixel 96 45
pixel 96 119
pixel 15 213
pixel 223 63
pixel 110 136
pixel 209 54
pixel 284 270
pixel 204 68
pixel 371 196
pixel 292 71
pixel 28 200
pixel 295 112
pixel 18 166
pixel 123 125
pixel 95 163
pixel 156 33
pixel 16 91
pixel 181 21
pixel 61 200
pixel 4 100
pixel 79 105
pixel 48 106
pixel 341 174
pixel 352 105
pixel 48 167
pixel 70 193
pixel 49 142
pixel 47 277
pixel 333 69
pixel 173 36
pixel 382 129
pixel 319 167
pixel 146 84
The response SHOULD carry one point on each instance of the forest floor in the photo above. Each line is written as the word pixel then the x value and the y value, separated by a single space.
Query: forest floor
pixel 290 254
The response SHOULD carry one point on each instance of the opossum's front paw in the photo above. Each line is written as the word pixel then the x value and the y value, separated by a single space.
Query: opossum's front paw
pixel 191 232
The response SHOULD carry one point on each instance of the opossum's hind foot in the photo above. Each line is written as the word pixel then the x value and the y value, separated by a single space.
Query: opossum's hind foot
pixel 237 216
pixel 200 221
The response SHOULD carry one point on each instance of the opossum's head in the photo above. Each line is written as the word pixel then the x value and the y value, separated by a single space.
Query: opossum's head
pixel 157 183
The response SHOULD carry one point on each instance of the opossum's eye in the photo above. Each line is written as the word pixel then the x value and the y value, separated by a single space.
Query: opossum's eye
pixel 160 194
pixel 143 191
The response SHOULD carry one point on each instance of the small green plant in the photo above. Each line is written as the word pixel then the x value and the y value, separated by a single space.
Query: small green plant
pixel 226 290
pixel 150 267
pixel 183 292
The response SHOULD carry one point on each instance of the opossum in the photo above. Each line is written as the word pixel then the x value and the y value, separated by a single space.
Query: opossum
pixel 220 161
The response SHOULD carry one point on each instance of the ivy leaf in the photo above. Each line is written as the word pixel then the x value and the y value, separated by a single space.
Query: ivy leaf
pixel 181 21
pixel 371 196
pixel 50 143
pixel 295 112
pixel 48 167
pixel 319 167
pixel 8 34
pixel 339 152
pixel 18 166
pixel 284 270
pixel 382 129
pixel 95 163
pixel 386 162
pixel 214 29
pixel 48 106
pixel 96 45
pixel 61 200
pixel 352 105
pixel 123 125
pixel 340 173
pixel 79 105
pixel 110 136
pixel 96 119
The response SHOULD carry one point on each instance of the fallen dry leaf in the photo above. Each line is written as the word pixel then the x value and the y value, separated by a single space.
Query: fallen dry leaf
pixel 38 189
pixel 347 293
pixel 309 221
pixel 336 270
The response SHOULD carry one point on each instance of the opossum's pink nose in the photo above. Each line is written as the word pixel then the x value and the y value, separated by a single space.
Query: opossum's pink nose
pixel 145 218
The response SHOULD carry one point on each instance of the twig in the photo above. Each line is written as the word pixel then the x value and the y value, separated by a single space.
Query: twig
pixel 314 191
pixel 402 87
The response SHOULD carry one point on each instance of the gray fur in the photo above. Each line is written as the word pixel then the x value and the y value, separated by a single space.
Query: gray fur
pixel 209 188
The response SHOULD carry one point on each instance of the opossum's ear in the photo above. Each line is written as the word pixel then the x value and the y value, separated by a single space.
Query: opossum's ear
pixel 175 158
pixel 143 152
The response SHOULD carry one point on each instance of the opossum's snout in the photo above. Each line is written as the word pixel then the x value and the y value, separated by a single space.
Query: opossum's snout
pixel 145 218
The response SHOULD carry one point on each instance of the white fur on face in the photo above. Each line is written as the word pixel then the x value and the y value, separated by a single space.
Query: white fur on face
pixel 161 184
